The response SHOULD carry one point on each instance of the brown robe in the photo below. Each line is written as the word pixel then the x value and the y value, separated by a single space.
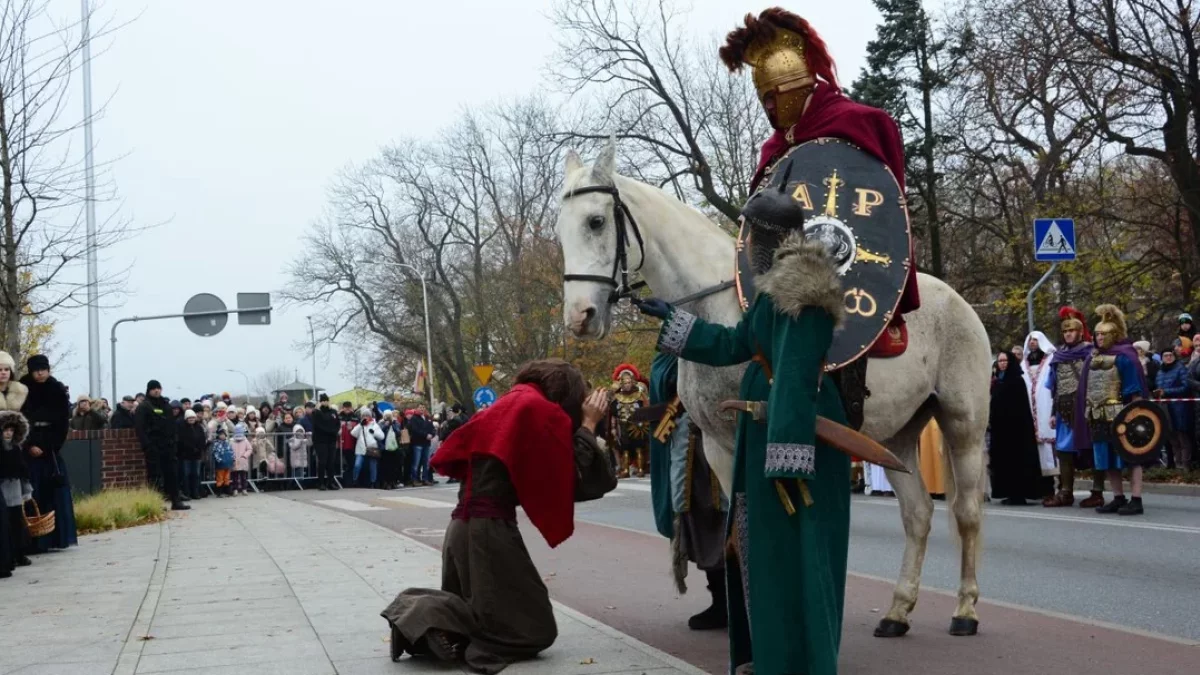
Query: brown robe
pixel 492 595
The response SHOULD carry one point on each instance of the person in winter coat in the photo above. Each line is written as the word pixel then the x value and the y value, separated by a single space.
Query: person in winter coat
pixel 421 433
pixel 85 418
pixel 122 417
pixel 190 441
pixel 15 490
pixel 297 447
pixel 220 420
pixel 349 421
pixel 1172 382
pixel 326 428
pixel 263 447
pixel 243 450
pixel 368 444
pixel 155 424
pixel 48 409
pixel 222 454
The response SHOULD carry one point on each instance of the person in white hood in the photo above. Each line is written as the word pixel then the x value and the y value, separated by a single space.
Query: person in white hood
pixel 368 441
pixel 1035 367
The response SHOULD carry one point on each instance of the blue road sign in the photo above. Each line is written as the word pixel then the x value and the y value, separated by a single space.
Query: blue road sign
pixel 1054 239
pixel 484 396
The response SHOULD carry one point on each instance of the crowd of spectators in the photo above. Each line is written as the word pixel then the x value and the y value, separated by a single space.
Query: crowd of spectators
pixel 213 442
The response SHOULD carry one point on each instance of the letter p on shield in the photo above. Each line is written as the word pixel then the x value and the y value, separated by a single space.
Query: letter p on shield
pixel 867 199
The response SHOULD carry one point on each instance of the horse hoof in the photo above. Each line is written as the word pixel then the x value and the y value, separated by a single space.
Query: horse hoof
pixel 960 626
pixel 890 628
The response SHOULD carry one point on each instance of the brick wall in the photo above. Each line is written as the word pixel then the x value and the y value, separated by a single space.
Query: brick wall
pixel 123 464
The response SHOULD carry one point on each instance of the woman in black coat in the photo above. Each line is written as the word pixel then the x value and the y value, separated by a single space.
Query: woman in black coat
pixel 48 409
pixel 1013 457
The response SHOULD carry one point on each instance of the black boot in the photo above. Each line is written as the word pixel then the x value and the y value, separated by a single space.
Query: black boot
pixel 178 505
pixel 1113 506
pixel 716 616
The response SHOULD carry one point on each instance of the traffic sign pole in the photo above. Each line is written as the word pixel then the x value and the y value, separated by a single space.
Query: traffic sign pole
pixel 183 315
pixel 1032 291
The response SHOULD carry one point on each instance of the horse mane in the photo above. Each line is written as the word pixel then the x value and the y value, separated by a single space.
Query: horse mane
pixel 763 29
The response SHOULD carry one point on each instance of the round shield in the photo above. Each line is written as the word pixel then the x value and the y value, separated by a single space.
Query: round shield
pixel 1139 430
pixel 851 202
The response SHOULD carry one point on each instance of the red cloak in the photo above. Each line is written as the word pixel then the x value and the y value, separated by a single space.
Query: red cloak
pixel 833 114
pixel 534 438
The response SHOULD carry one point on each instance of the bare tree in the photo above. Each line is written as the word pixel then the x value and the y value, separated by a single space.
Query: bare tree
pixel 670 99
pixel 272 380
pixel 475 211
pixel 42 196
pixel 1153 109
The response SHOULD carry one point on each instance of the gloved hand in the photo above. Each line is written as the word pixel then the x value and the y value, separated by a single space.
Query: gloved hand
pixel 654 307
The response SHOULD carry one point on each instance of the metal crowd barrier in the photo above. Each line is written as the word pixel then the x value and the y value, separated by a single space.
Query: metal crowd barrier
pixel 295 469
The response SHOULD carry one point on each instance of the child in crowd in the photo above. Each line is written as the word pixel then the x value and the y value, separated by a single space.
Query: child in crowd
pixel 264 447
pixel 15 489
pixel 298 451
pixel 243 449
pixel 222 454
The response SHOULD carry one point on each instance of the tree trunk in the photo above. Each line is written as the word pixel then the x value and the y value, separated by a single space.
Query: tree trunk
pixel 10 295
pixel 927 150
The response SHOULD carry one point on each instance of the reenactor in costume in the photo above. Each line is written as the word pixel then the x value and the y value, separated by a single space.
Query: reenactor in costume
pixel 629 437
pixel 689 507
pixel 1066 372
pixel 797 85
pixel 1112 377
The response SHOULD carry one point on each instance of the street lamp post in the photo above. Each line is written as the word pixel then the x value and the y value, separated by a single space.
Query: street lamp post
pixel 231 370
pixel 428 341
pixel 93 294
pixel 313 335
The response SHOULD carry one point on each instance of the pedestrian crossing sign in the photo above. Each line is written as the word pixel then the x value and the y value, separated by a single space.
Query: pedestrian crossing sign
pixel 1054 239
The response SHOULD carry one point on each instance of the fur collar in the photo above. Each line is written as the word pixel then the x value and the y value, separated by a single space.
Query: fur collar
pixel 803 276
pixel 14 398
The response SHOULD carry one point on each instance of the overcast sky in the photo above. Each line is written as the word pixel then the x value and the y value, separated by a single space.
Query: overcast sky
pixel 229 119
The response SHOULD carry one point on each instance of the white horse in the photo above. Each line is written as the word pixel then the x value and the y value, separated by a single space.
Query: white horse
pixel 943 374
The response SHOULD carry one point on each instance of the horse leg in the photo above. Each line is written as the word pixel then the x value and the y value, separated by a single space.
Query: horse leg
pixel 916 512
pixel 964 448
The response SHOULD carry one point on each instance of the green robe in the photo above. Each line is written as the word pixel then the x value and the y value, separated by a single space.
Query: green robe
pixel 787 593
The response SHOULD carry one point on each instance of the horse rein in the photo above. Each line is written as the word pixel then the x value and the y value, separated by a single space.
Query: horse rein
pixel 624 223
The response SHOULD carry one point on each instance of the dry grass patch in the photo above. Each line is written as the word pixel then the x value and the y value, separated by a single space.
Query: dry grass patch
pixel 118 508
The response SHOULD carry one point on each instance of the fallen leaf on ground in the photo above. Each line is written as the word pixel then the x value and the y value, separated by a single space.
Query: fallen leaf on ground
pixel 609 607
pixel 146 637
pixel 587 662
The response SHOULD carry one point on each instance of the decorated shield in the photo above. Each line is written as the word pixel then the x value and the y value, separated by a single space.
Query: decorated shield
pixel 1139 430
pixel 850 201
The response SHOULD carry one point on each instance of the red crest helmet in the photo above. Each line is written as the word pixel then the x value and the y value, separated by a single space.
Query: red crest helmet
pixel 626 367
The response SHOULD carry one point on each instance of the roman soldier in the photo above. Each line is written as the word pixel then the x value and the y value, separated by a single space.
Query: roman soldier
pixel 1066 370
pixel 689 507
pixel 797 85
pixel 1111 378
pixel 629 437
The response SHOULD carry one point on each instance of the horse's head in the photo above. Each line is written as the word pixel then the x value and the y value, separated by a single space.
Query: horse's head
pixel 592 246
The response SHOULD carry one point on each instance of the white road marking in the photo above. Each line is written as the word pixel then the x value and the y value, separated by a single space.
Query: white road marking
pixel 418 501
pixel 998 512
pixel 640 487
pixel 423 532
pixel 349 505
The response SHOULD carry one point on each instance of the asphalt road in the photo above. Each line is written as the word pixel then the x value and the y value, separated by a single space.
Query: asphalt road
pixel 1052 582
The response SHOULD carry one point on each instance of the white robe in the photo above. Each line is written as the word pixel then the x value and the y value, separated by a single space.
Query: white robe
pixel 1041 401
pixel 877 480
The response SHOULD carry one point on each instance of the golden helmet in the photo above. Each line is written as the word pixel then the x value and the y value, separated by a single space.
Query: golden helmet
pixel 788 59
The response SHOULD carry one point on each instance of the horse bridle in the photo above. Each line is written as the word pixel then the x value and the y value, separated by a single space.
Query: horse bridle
pixel 619 279
pixel 624 222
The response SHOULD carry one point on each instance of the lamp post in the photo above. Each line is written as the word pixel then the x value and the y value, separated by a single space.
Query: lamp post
pixel 428 341
pixel 231 370
pixel 93 296
pixel 313 335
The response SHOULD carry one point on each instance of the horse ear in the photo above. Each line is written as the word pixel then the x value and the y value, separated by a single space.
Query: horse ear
pixel 573 162
pixel 606 163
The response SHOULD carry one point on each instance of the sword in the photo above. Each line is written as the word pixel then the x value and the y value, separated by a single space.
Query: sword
pixel 838 436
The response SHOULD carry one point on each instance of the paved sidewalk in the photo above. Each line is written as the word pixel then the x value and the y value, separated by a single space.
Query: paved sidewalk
pixel 255 584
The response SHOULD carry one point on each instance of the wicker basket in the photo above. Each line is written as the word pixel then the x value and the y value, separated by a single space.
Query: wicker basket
pixel 39 524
